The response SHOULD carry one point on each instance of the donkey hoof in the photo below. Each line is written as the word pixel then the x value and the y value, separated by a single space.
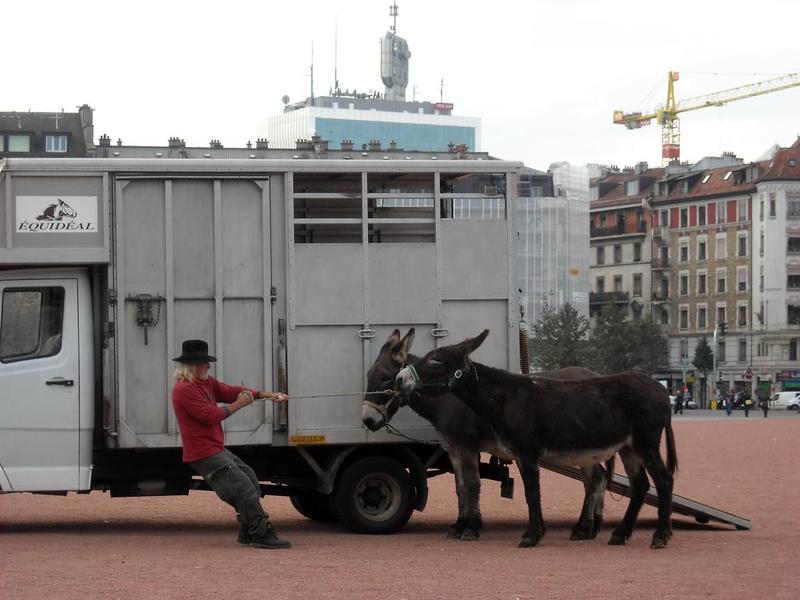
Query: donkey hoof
pixel 528 541
pixel 470 535
pixel 582 533
pixel 455 530
pixel 617 540
pixel 660 539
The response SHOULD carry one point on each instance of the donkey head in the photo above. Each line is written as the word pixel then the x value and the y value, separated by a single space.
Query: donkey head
pixel 377 410
pixel 437 371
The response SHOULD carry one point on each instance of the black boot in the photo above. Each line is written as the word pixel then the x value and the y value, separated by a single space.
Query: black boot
pixel 269 540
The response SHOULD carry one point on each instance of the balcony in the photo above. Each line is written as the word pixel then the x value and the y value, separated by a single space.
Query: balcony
pixel 660 296
pixel 660 263
pixel 618 229
pixel 661 235
pixel 602 298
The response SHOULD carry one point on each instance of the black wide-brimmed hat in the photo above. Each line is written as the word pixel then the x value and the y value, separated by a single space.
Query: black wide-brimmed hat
pixel 194 351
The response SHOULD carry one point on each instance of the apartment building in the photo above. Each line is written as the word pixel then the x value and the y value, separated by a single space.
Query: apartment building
pixel 620 255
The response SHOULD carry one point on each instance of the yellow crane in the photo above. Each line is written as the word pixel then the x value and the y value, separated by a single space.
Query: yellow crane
pixel 667 115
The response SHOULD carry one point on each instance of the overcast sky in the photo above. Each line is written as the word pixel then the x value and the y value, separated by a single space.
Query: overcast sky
pixel 543 75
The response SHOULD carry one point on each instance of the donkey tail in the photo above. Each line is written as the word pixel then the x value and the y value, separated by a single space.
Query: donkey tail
pixel 672 456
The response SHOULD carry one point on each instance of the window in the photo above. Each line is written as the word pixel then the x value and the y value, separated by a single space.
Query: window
pixel 684 252
pixel 741 245
pixel 701 215
pixel 772 211
pixel 721 216
pixel 684 284
pixel 721 346
pixel 684 348
pixel 721 280
pixel 761 211
pixel 636 311
pixel 601 285
pixel 19 143
pixel 793 207
pixel 601 255
pixel 617 253
pixel 603 220
pixel 684 217
pixel 741 209
pixel 31 323
pixel 721 315
pixel 741 279
pixel 701 249
pixel 2 143
pixel 727 176
pixel 55 143
pixel 793 246
pixel 684 321
pixel 741 319
pixel 793 314
pixel 793 282
pixel 742 350
pixel 722 246
pixel 761 244
pixel 701 283
pixel 706 178
pixel 617 283
pixel 702 317
pixel 664 219
pixel 637 284
pixel 664 317
pixel 793 349
pixel 637 252
pixel 763 349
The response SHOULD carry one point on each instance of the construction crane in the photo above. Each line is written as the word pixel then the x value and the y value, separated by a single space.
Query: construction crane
pixel 667 115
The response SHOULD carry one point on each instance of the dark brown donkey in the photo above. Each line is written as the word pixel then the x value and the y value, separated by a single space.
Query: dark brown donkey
pixel 465 435
pixel 574 423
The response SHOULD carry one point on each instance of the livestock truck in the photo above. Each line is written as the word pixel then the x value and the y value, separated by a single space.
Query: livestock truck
pixel 295 272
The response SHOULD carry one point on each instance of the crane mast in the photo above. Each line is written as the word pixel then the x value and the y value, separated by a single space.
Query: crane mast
pixel 667 115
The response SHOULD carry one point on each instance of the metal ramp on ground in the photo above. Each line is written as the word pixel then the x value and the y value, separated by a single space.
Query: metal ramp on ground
pixel 702 513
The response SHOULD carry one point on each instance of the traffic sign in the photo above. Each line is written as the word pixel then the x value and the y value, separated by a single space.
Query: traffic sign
pixel 748 373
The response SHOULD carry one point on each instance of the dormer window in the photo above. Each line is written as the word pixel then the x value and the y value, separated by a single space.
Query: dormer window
pixel 792 162
pixel 685 186
pixel 706 178
pixel 727 176
pixel 55 143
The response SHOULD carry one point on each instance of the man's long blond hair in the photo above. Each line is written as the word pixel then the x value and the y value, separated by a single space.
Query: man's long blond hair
pixel 185 372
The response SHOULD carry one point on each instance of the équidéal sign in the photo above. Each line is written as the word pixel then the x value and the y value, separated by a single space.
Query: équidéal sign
pixel 56 214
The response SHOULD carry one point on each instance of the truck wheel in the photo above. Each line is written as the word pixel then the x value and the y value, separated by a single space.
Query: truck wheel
pixel 374 495
pixel 313 505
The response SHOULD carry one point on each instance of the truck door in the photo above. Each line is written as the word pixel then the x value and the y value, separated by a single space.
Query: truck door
pixel 39 379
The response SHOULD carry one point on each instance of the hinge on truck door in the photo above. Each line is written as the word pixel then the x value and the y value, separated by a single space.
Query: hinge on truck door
pixel 145 316
pixel 273 294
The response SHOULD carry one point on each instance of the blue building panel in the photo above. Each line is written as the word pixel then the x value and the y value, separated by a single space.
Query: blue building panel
pixel 409 136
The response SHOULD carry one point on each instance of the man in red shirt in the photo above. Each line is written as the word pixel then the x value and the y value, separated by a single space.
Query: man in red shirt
pixel 194 398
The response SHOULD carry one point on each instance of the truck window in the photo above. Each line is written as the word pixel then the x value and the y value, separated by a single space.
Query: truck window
pixel 31 325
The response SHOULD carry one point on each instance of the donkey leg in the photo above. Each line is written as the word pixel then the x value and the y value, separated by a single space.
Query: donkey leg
pixel 457 460
pixel 471 481
pixel 639 486
pixel 594 483
pixel 663 481
pixel 529 471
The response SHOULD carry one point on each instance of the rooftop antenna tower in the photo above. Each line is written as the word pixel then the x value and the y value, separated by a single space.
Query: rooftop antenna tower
pixel 393 14
pixel 336 55
pixel 312 72
pixel 394 60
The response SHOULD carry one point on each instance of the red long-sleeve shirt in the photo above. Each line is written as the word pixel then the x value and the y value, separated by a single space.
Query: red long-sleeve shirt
pixel 199 417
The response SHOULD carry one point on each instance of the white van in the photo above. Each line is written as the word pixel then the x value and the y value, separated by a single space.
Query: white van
pixel 790 400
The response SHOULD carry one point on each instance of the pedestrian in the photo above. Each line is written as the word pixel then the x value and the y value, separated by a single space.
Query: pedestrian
pixel 195 398
pixel 679 402
pixel 748 403
pixel 728 405
pixel 763 403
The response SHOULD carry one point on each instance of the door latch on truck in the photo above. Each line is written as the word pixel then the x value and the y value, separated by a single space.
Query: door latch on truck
pixel 146 316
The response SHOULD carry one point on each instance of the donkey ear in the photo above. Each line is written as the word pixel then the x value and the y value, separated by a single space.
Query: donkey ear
pixel 469 345
pixel 401 348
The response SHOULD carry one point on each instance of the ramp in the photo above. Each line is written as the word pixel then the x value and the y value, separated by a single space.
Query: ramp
pixel 702 513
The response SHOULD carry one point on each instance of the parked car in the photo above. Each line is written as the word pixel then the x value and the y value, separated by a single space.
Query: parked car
pixel 785 400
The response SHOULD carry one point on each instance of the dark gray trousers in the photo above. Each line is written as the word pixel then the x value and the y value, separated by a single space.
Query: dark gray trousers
pixel 237 484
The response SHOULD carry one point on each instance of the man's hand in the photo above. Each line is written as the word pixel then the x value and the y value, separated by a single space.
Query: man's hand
pixel 245 398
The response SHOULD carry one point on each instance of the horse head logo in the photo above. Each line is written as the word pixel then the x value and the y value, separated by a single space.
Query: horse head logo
pixel 57 211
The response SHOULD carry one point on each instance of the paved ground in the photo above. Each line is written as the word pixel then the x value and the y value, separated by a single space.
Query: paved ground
pixel 184 547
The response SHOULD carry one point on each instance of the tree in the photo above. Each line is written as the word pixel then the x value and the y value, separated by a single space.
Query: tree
pixel 610 341
pixel 618 344
pixel 559 339
pixel 704 362
pixel 650 346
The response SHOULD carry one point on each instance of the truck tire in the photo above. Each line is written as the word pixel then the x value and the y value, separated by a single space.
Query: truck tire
pixel 313 505
pixel 374 495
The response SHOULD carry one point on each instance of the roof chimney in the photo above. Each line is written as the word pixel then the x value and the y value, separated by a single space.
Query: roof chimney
pixel 176 142
pixel 104 140
pixel 347 145
pixel 374 145
pixel 262 144
pixel 214 144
